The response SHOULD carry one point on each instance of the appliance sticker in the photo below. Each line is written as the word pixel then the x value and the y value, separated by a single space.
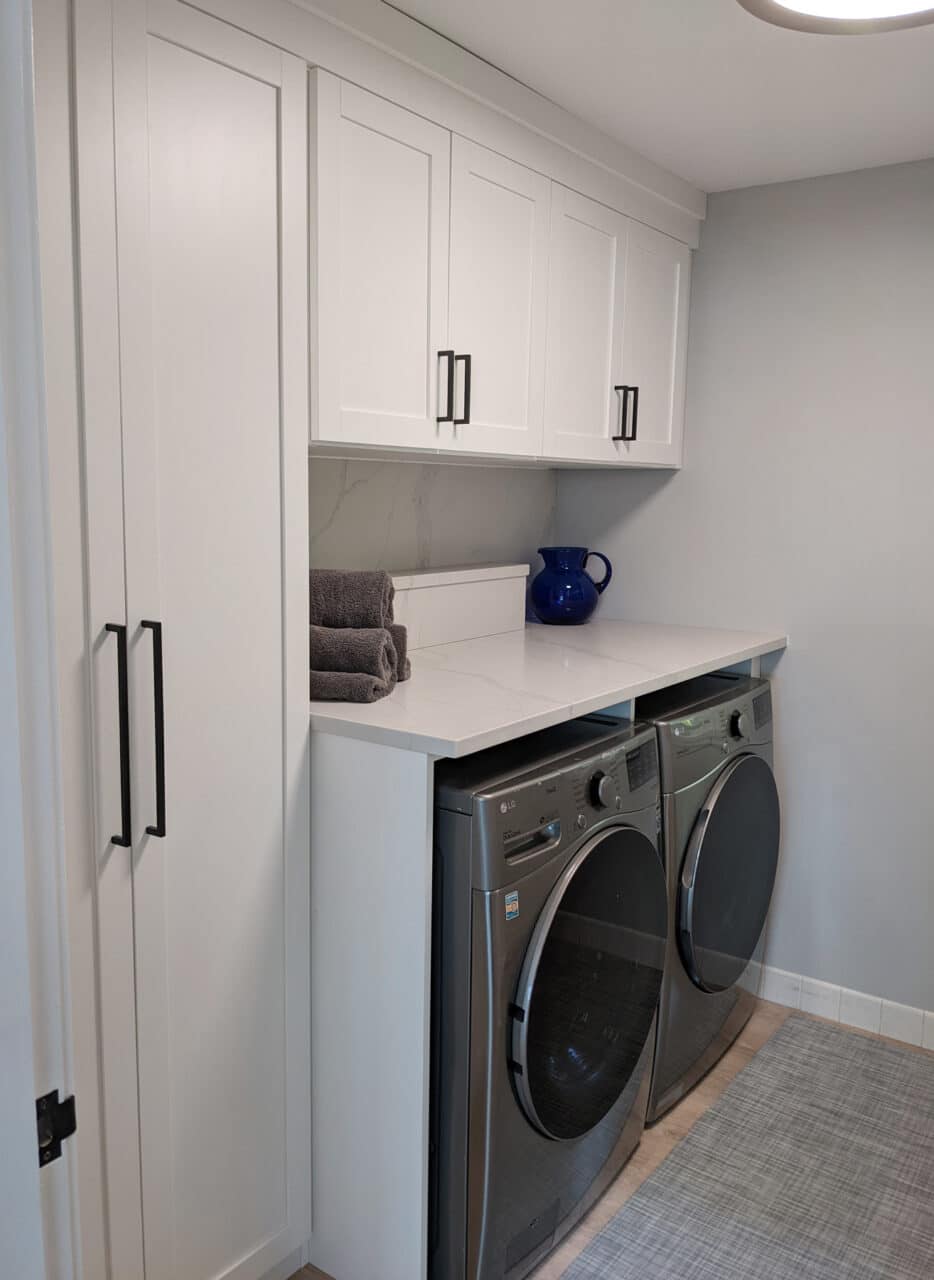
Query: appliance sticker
pixel 512 905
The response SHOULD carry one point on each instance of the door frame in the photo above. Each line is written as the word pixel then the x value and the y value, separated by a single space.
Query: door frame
pixel 40 1210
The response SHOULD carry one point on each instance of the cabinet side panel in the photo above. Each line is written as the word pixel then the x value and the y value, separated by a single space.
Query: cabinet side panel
pixel 370 1000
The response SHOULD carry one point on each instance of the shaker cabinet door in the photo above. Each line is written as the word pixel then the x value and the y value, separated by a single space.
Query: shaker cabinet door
pixel 499 281
pixel 654 352
pixel 211 193
pixel 586 287
pixel 379 261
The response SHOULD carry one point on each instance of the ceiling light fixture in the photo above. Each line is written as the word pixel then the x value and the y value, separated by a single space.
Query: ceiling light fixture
pixel 841 17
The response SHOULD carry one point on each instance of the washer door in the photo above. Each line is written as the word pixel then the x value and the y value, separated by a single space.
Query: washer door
pixel 728 874
pixel 590 983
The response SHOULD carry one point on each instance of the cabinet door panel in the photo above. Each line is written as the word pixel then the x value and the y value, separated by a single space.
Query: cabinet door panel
pixel 655 343
pixel 499 265
pixel 211 183
pixel 585 326
pixel 380 250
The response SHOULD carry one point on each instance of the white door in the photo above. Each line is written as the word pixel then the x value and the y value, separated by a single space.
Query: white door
pixel 211 185
pixel 586 285
pixel 38 1219
pixel 379 260
pixel 499 282
pixel 654 357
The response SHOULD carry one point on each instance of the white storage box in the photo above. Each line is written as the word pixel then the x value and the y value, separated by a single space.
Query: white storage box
pixel 439 606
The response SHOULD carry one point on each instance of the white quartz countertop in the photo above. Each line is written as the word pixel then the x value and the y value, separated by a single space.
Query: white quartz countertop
pixel 476 693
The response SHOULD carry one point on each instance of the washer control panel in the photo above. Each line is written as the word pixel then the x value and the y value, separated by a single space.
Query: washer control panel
pixel 530 816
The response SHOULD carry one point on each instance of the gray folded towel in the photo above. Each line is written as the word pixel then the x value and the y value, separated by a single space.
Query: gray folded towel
pixel 400 639
pixel 345 598
pixel 349 686
pixel 366 651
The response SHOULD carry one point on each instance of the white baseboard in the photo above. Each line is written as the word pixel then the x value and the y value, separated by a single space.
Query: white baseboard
pixel 851 1008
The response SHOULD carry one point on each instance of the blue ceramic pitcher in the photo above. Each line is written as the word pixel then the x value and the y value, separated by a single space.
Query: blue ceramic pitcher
pixel 564 592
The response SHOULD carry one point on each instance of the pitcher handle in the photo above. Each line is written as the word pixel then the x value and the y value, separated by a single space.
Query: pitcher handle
pixel 605 582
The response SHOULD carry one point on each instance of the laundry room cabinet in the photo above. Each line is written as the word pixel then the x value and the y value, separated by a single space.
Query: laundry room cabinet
pixel 617 337
pixel 499 282
pixel 194 306
pixel 379 260
pixel 655 345
pixel 466 305
pixel 586 291
pixel 429 278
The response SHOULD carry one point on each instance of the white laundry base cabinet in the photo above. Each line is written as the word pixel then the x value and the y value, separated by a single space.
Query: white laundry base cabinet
pixel 371 895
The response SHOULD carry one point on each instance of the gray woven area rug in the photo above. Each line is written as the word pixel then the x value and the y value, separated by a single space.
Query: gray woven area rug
pixel 817 1163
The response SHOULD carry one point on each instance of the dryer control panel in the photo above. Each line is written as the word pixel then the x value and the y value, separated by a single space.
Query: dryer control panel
pixel 705 721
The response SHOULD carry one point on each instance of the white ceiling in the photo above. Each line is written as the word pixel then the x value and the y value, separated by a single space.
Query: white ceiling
pixel 707 90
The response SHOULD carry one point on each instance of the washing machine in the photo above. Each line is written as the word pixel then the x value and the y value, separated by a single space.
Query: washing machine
pixel 549 934
pixel 720 839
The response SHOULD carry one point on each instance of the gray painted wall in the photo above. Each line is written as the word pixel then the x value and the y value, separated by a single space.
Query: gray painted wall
pixel 397 515
pixel 805 503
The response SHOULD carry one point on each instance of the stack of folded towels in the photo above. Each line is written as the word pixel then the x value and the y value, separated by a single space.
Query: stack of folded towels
pixel 357 651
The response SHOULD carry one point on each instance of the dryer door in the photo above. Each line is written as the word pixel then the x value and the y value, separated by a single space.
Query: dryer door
pixel 590 982
pixel 728 874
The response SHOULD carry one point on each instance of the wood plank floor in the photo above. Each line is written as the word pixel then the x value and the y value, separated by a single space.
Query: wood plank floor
pixel 661 1138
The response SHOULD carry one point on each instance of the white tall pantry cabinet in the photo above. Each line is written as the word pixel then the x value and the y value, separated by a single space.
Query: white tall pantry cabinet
pixel 197 516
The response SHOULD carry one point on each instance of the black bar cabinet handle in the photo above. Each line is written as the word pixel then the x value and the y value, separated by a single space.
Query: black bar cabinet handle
pixel 158 700
pixel 624 414
pixel 625 434
pixel 449 415
pixel 125 838
pixel 465 420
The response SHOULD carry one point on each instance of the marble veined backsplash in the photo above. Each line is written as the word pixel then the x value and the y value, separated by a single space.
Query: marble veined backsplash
pixel 399 515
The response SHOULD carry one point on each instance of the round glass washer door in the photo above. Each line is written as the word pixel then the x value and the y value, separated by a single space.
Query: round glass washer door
pixel 728 874
pixel 590 982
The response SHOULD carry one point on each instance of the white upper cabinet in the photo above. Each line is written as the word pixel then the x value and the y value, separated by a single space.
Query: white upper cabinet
pixel 499 282
pixel 654 354
pixel 466 304
pixel 585 328
pixel 617 332
pixel 379 260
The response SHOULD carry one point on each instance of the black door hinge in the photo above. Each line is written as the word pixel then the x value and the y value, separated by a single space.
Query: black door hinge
pixel 55 1121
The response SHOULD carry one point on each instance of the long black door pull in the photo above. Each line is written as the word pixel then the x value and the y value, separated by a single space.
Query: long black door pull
pixel 448 416
pixel 125 838
pixel 625 434
pixel 465 420
pixel 158 700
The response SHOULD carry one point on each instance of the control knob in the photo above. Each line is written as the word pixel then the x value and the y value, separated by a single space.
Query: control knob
pixel 602 790
pixel 739 724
